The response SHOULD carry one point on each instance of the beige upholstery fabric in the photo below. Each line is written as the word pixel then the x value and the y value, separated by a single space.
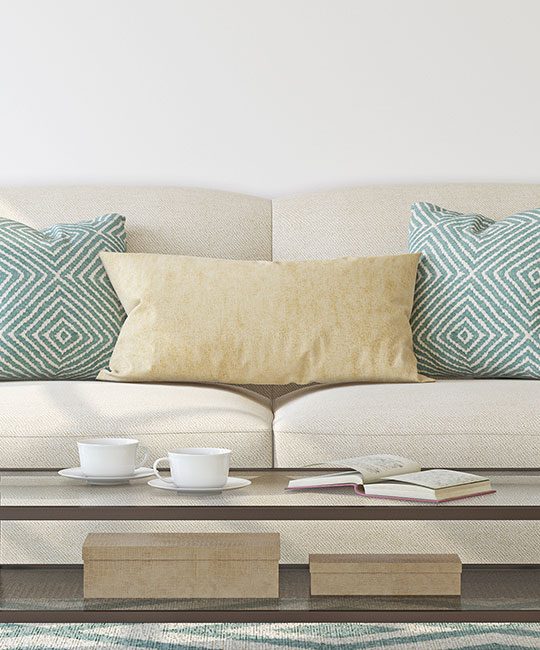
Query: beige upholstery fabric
pixel 373 220
pixel 175 220
pixel 449 423
pixel 41 421
pixel 200 319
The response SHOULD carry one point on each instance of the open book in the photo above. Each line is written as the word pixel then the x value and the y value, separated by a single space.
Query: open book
pixel 395 477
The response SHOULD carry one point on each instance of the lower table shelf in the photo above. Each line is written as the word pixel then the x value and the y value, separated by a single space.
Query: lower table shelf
pixel 489 593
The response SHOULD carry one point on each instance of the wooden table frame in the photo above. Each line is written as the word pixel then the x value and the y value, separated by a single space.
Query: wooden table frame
pixel 269 513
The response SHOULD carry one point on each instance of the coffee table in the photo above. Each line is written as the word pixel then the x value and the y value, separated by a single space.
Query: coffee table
pixel 53 593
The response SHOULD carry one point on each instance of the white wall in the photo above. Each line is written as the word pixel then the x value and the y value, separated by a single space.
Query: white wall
pixel 269 96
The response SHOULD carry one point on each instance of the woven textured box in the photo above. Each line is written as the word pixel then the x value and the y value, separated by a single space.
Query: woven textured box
pixel 181 565
pixel 385 575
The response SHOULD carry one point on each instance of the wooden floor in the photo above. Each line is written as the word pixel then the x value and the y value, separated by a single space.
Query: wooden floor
pixel 54 594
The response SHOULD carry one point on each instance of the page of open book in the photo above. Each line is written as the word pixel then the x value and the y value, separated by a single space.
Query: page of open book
pixel 439 478
pixel 377 466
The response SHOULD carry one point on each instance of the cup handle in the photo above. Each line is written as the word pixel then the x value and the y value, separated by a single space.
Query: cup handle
pixel 144 451
pixel 156 471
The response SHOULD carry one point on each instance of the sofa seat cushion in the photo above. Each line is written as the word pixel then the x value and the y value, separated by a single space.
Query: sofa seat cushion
pixel 40 421
pixel 452 423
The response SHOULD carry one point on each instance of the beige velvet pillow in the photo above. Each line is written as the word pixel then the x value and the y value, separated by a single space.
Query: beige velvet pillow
pixel 238 322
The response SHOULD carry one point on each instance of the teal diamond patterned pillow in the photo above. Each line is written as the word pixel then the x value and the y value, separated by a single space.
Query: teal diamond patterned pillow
pixel 59 315
pixel 477 299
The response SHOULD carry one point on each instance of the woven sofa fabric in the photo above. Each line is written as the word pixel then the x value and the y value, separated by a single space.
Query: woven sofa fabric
pixel 59 315
pixel 448 423
pixel 477 298
pixel 172 220
pixel 40 421
pixel 373 219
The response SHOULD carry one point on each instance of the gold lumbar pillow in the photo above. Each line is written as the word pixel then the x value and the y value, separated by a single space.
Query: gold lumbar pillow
pixel 240 322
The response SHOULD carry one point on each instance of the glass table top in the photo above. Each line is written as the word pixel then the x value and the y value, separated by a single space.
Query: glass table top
pixel 268 488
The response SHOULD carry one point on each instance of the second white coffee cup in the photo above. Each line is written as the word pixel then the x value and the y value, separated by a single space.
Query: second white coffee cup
pixel 197 467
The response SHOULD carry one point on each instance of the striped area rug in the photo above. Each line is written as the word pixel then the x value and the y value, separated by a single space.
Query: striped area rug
pixel 345 636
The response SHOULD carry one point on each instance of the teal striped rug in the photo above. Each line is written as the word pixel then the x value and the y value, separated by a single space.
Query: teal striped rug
pixel 306 636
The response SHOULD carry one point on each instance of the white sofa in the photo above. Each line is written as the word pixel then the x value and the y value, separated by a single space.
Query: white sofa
pixel 454 423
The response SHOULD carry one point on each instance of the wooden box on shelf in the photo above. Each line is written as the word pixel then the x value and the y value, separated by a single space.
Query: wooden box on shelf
pixel 181 565
pixel 385 575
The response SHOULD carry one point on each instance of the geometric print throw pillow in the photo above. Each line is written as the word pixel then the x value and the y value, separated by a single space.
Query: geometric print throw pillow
pixel 477 298
pixel 59 315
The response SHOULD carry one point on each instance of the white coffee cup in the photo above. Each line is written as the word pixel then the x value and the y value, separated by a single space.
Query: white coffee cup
pixel 110 456
pixel 197 467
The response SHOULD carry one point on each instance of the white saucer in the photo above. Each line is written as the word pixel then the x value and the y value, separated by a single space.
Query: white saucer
pixel 77 473
pixel 232 484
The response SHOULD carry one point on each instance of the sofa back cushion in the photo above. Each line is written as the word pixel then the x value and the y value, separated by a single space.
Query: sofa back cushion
pixel 174 220
pixel 373 220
